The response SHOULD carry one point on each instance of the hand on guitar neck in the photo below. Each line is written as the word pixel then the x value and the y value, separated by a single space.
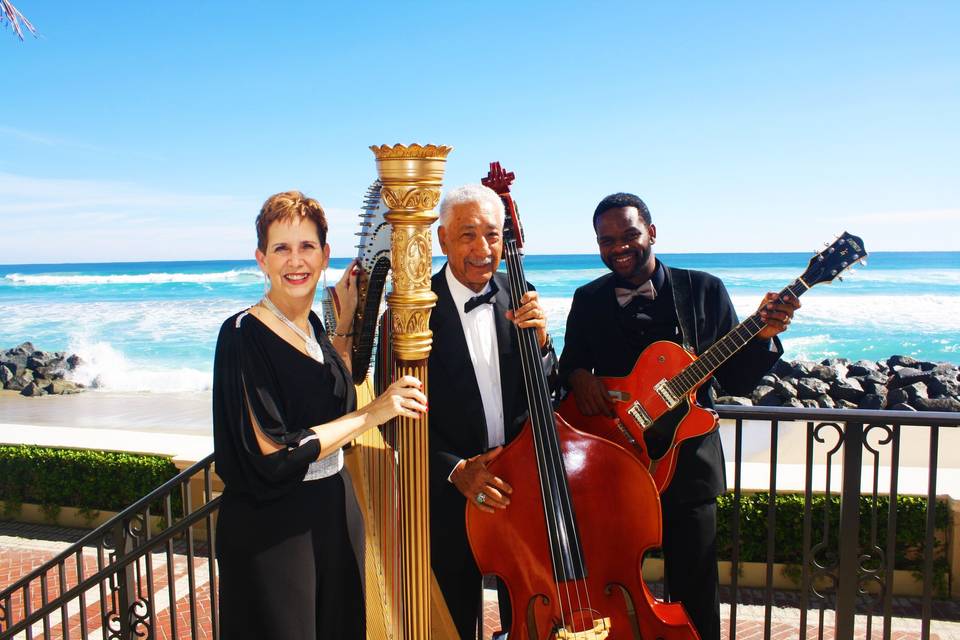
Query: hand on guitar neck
pixel 777 313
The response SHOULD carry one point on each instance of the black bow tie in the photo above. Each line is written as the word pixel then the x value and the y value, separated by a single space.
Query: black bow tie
pixel 483 298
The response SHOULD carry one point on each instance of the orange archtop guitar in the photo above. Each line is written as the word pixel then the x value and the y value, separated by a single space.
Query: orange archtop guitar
pixel 656 407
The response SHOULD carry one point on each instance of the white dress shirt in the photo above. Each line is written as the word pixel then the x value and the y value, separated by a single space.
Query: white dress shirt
pixel 480 331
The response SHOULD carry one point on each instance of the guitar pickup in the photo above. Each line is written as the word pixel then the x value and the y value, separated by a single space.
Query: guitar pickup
pixel 666 393
pixel 638 413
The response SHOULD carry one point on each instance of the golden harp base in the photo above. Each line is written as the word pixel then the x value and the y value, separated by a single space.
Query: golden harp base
pixel 381 618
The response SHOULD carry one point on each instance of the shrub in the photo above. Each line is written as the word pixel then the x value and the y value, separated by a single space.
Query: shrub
pixel 88 480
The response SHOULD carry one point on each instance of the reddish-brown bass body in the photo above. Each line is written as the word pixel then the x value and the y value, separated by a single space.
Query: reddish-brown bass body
pixel 582 513
pixel 618 510
pixel 660 361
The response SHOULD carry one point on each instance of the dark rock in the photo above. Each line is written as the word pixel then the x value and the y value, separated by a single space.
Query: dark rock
pixel 897 396
pixel 789 380
pixel 20 380
pixel 6 375
pixel 793 402
pixel 74 361
pixel 770 380
pixel 802 368
pixel 872 388
pixel 828 372
pixel 916 390
pixel 24 349
pixel 739 401
pixel 901 406
pixel 940 385
pixel 38 360
pixel 762 392
pixel 876 376
pixel 812 388
pixel 16 363
pixel 847 389
pixel 826 402
pixel 907 376
pixel 936 404
pixel 947 369
pixel 781 368
pixel 33 390
pixel 50 372
pixel 770 400
pixel 872 401
pixel 926 366
pixel 862 368
pixel 846 404
pixel 902 361
pixel 809 403
pixel 785 390
pixel 61 387
pixel 830 362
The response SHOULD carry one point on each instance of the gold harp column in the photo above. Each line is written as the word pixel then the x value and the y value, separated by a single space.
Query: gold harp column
pixel 412 177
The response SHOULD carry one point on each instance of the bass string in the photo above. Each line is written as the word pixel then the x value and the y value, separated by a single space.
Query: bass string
pixel 540 404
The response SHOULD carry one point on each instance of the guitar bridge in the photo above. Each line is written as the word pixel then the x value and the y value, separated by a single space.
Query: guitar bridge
pixel 638 413
pixel 666 393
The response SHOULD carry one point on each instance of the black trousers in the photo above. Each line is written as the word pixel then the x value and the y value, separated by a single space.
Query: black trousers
pixel 690 563
pixel 287 569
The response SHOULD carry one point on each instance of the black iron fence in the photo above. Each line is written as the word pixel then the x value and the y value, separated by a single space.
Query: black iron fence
pixel 150 571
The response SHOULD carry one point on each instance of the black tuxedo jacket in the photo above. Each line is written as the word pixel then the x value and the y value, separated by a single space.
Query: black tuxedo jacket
pixel 595 341
pixel 458 428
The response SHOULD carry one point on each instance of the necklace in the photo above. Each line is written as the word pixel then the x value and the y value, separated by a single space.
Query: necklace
pixel 313 347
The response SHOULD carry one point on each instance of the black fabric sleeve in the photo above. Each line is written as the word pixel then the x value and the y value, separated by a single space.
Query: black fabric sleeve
pixel 241 385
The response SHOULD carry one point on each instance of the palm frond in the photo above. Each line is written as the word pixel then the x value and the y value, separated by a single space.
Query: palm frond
pixel 10 14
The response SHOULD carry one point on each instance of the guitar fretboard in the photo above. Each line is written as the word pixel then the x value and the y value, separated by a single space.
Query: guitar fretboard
pixel 723 349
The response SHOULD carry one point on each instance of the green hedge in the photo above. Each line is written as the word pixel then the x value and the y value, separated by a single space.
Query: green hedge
pixel 88 480
pixel 788 537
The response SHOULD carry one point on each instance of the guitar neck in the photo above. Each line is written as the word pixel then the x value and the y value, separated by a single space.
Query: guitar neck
pixel 695 373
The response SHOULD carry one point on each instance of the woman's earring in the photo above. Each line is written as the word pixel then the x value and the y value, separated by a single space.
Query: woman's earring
pixel 266 284
pixel 324 272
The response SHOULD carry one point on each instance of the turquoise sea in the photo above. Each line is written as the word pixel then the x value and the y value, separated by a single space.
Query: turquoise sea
pixel 151 326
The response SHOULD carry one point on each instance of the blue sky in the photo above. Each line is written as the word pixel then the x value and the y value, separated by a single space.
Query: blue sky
pixel 154 130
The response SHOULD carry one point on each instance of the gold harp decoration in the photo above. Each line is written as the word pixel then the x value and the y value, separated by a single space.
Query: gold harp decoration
pixel 389 466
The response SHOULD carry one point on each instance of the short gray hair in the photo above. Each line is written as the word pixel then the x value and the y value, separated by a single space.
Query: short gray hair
pixel 486 197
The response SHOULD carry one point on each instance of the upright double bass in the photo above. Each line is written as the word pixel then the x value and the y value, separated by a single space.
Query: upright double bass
pixel 583 511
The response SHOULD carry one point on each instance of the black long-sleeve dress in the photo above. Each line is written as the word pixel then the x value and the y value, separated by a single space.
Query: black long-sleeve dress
pixel 287 568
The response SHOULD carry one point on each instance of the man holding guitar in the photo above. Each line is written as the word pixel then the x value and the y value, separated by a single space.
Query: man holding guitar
pixel 611 321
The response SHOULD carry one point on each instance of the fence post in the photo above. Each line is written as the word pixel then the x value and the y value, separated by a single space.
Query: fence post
pixel 849 534
pixel 126 588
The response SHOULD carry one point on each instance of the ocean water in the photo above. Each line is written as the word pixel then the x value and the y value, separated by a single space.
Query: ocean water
pixel 152 326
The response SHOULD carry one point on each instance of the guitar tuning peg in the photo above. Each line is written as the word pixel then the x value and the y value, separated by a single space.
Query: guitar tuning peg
pixel 863 261
pixel 840 278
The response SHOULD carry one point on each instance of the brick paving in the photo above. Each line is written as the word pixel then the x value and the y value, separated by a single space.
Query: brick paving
pixel 24 547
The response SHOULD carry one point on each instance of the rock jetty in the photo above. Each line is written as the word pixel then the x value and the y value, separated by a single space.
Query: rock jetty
pixel 38 373
pixel 899 383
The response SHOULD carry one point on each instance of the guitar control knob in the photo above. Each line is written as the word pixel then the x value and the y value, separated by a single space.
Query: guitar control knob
pixel 833 272
pixel 843 264
pixel 831 250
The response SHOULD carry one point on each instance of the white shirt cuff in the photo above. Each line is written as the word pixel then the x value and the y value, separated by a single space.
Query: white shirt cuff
pixel 455 467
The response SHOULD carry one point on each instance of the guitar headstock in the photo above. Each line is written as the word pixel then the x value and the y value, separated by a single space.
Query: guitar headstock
pixel 844 252
pixel 500 180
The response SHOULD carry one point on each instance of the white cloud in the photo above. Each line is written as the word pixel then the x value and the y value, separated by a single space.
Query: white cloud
pixel 69 220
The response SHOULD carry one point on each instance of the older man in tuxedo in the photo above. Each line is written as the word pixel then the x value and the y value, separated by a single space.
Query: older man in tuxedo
pixel 477 399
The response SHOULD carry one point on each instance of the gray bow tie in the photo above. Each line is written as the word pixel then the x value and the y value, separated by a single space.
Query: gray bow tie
pixel 625 296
